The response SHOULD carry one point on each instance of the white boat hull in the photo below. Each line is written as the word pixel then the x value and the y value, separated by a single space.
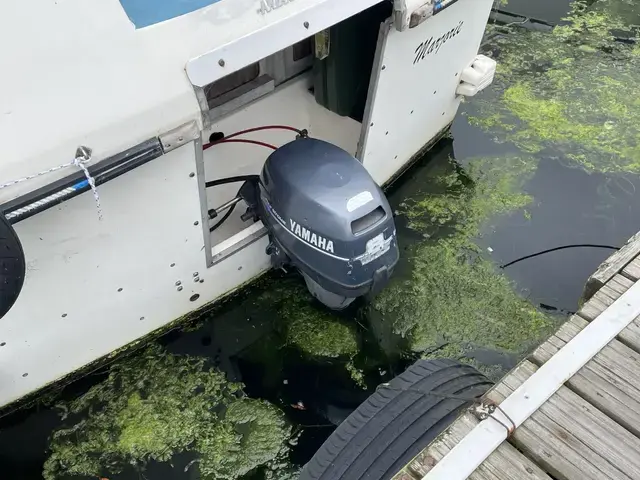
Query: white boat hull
pixel 94 287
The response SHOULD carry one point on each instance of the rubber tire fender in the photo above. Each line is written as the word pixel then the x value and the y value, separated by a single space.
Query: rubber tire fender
pixel 397 422
pixel 12 266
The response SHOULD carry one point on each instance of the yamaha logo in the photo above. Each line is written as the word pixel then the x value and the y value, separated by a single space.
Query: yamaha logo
pixel 311 238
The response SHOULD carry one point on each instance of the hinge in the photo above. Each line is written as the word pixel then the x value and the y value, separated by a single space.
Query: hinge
pixel 179 136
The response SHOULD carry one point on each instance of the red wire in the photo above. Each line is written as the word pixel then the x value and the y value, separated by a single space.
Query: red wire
pixel 249 130
pixel 240 140
pixel 265 127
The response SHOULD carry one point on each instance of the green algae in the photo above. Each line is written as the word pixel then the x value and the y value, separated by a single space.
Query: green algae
pixel 570 92
pixel 460 200
pixel 258 432
pixel 306 325
pixel 319 334
pixel 454 300
pixel 357 374
pixel 156 405
pixel 285 474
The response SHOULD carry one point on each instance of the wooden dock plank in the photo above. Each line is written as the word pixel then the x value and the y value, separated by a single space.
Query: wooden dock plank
pixel 553 447
pixel 616 356
pixel 594 307
pixel 630 336
pixel 594 384
pixel 632 270
pixel 612 266
pixel 506 463
pixel 590 426
pixel 610 377
pixel 619 283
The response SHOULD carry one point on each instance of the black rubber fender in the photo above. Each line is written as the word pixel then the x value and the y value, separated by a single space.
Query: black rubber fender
pixel 12 266
pixel 397 422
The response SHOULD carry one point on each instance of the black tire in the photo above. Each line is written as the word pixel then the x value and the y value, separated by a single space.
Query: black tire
pixel 397 422
pixel 12 266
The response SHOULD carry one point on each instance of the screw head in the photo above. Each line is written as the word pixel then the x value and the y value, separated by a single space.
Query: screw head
pixel 196 280
pixel 191 175
pixel 202 280
pixel 306 24
pixel 180 288
pixel 195 274
pixel 180 139
pixel 178 283
pixel 196 223
pixel 221 62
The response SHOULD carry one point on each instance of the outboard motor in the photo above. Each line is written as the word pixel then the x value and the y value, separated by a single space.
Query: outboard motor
pixel 327 218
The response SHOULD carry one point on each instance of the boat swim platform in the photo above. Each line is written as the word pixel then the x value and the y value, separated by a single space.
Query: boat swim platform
pixel 574 402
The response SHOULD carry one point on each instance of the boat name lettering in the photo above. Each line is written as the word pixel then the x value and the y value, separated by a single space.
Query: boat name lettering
pixel 267 6
pixel 430 46
pixel 311 238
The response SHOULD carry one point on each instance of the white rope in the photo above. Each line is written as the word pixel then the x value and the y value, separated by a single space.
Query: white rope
pixel 80 162
pixel 82 158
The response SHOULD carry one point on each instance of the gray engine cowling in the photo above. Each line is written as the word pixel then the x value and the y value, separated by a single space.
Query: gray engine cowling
pixel 328 218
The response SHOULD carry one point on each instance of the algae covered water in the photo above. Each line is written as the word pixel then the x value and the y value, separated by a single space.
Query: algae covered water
pixel 548 156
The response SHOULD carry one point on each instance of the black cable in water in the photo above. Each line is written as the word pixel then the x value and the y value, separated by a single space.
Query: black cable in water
pixel 564 247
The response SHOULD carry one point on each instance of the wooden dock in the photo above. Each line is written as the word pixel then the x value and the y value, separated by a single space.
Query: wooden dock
pixel 586 422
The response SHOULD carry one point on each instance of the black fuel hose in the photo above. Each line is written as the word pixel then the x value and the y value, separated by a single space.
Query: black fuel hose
pixel 223 181
pixel 237 178
pixel 242 178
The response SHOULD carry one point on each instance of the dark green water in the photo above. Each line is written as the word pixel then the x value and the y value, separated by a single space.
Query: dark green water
pixel 536 162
